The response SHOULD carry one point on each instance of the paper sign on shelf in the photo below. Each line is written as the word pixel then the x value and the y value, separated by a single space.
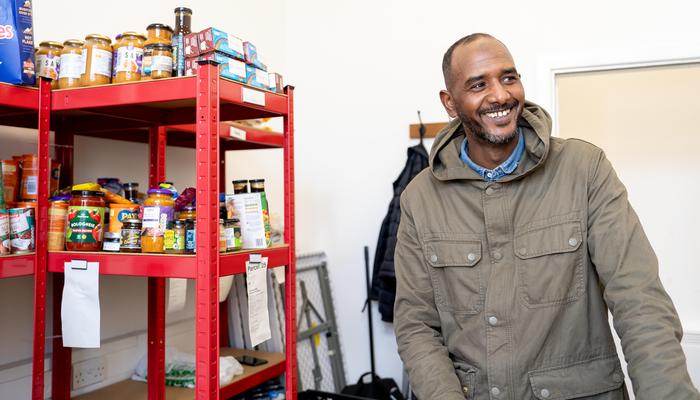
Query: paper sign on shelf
pixel 258 317
pixel 177 294
pixel 80 307
pixel 253 97
pixel 279 274
pixel 237 133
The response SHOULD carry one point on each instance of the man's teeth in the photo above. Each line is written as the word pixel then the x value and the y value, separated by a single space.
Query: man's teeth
pixel 498 114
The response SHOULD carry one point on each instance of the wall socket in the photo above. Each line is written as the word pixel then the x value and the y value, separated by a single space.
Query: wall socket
pixel 89 372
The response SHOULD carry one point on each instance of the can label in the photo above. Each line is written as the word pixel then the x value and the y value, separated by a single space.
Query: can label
pixel 85 224
pixel 57 226
pixel 4 232
pixel 118 213
pixel 22 230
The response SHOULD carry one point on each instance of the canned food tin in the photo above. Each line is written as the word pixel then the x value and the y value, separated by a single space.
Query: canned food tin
pixel 22 230
pixel 4 232
pixel 58 212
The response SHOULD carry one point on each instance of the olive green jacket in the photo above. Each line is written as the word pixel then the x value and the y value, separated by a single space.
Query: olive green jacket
pixel 503 288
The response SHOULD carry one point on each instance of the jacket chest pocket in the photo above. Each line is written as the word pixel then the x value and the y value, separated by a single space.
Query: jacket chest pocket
pixel 455 271
pixel 550 264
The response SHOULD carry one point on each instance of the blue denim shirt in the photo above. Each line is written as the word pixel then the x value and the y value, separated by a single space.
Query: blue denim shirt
pixel 507 167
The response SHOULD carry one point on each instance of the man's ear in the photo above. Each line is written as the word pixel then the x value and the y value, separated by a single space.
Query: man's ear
pixel 448 103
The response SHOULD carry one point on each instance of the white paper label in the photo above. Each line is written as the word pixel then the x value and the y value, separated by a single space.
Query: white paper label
pixel 262 77
pixel 80 306
pixel 151 217
pixel 19 224
pixel 161 63
pixel 101 62
pixel 236 133
pixel 71 66
pixel 48 65
pixel 129 59
pixel 258 316
pixel 235 44
pixel 253 96
pixel 32 184
pixel 237 67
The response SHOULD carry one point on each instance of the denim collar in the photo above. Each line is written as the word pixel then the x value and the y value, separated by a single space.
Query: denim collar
pixel 507 167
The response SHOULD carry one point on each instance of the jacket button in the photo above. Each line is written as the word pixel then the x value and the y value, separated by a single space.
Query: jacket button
pixel 489 191
pixel 544 393
pixel 495 391
pixel 497 255
pixel 433 258
pixel 465 389
pixel 573 242
pixel 493 321
pixel 617 377
pixel 522 251
pixel 471 256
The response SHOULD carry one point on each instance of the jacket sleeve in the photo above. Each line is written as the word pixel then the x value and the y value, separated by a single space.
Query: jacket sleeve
pixel 416 320
pixel 643 314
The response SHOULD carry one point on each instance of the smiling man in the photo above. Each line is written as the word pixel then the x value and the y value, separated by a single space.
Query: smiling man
pixel 513 245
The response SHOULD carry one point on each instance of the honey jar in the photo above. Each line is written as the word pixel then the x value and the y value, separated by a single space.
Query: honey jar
pixel 71 64
pixel 128 57
pixel 157 61
pixel 159 33
pixel 48 61
pixel 97 57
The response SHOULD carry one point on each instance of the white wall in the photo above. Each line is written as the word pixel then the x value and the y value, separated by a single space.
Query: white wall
pixel 362 69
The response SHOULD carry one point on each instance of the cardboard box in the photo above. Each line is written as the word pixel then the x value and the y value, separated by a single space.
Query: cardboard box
pixel 212 39
pixel 251 56
pixel 251 209
pixel 191 45
pixel 256 77
pixel 276 83
pixel 17 63
pixel 228 67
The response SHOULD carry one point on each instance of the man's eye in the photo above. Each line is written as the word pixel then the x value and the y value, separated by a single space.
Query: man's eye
pixel 510 78
pixel 477 86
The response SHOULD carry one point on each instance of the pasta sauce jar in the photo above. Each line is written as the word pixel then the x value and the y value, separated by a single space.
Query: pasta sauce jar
pixel 48 61
pixel 157 61
pixel 97 60
pixel 71 64
pixel 159 33
pixel 128 57
pixel 85 220
pixel 158 210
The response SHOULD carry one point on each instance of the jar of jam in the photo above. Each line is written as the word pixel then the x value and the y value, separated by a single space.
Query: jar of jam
pixel 85 220
pixel 48 61
pixel 128 57
pixel 176 245
pixel 71 64
pixel 240 186
pixel 97 60
pixel 187 212
pixel 157 61
pixel 131 236
pixel 159 33
pixel 158 210
pixel 257 185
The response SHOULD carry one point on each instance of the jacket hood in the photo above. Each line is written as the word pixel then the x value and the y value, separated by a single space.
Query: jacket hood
pixel 446 165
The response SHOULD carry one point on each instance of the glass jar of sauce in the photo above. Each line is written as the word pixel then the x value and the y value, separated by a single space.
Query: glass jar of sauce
pixel 157 212
pixel 257 185
pixel 240 186
pixel 128 57
pixel 188 212
pixel 157 61
pixel 71 64
pixel 190 236
pixel 177 245
pixel 85 220
pixel 159 33
pixel 48 61
pixel 97 60
pixel 131 236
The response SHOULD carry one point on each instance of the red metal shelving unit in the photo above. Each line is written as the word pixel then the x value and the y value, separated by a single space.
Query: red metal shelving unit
pixel 30 108
pixel 184 111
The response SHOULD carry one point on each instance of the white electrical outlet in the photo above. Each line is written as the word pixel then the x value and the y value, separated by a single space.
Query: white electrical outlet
pixel 89 372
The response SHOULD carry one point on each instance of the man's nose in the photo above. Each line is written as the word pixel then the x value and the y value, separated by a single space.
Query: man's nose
pixel 498 94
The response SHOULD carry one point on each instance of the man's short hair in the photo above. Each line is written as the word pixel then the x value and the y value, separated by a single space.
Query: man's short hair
pixel 447 58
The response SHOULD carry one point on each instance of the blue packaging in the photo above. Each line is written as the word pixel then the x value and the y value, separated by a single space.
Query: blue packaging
pixel 17 42
pixel 251 56
pixel 257 77
pixel 212 39
pixel 228 67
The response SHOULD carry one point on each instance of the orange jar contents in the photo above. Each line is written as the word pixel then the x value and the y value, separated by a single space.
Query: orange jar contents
pixel 159 33
pixel 85 225
pixel 97 60
pixel 71 64
pixel 157 61
pixel 30 177
pixel 187 212
pixel 58 210
pixel 128 56
pixel 48 61
pixel 158 210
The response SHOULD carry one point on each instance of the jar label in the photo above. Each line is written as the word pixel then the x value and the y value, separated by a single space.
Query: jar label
pixel 161 63
pixel 71 66
pixel 179 242
pixel 84 224
pixel 191 240
pixel 128 59
pixel 131 239
pixel 48 65
pixel 101 62
pixel 169 240
pixel 155 219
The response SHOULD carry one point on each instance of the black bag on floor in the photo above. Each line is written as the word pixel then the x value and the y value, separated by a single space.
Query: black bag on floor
pixel 376 388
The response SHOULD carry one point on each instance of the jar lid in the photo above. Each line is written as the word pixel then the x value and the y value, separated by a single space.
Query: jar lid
pixel 98 36
pixel 160 191
pixel 160 46
pixel 112 235
pixel 231 221
pixel 131 33
pixel 59 198
pixel 179 223
pixel 130 185
pixel 73 42
pixel 131 221
pixel 159 26
pixel 87 193
pixel 238 181
pixel 183 9
pixel 51 43
pixel 189 208
pixel 257 181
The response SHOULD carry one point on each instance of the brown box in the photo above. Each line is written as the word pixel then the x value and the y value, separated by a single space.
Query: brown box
pixel 191 45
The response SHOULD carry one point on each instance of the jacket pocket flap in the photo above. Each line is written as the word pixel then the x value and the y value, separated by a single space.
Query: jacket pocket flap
pixel 563 237
pixel 586 378
pixel 453 253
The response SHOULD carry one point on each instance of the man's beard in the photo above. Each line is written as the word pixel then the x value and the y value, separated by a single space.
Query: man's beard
pixel 475 128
